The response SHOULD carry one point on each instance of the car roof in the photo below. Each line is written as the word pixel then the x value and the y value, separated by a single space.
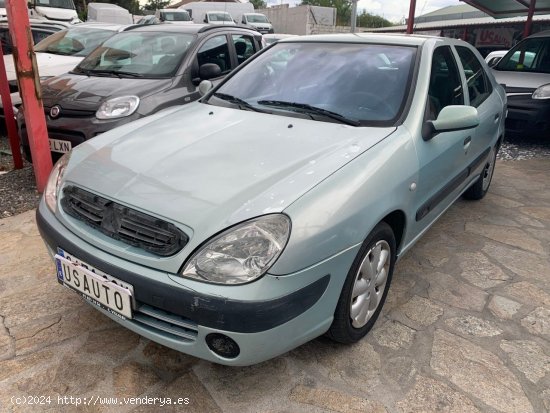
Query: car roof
pixel 187 28
pixel 397 39
pixel 545 33
pixel 42 24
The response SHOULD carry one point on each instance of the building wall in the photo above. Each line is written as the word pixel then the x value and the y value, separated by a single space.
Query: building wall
pixel 301 20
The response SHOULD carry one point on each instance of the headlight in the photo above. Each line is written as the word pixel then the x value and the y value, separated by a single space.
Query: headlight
pixel 118 107
pixel 52 186
pixel 543 92
pixel 242 253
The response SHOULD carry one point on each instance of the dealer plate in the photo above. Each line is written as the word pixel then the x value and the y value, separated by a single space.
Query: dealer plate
pixel 61 146
pixel 98 288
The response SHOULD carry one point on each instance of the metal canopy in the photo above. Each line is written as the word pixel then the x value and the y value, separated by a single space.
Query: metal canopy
pixel 500 9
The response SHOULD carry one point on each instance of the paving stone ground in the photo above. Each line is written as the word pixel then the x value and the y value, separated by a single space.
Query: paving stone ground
pixel 466 328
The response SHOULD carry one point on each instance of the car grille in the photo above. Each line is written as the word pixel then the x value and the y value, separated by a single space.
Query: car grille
pixel 123 223
pixel 159 321
pixel 71 113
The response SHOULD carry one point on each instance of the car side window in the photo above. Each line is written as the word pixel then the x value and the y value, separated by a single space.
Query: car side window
pixel 479 86
pixel 5 41
pixel 215 50
pixel 445 84
pixel 244 46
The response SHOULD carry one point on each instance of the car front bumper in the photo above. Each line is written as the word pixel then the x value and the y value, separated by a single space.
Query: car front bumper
pixel 528 117
pixel 286 312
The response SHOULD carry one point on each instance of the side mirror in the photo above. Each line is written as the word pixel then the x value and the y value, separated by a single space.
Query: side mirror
pixel 209 71
pixel 205 86
pixel 451 118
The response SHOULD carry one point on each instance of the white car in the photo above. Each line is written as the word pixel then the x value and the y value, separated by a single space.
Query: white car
pixel 61 52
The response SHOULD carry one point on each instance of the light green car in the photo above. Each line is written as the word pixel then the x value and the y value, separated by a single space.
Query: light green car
pixel 273 211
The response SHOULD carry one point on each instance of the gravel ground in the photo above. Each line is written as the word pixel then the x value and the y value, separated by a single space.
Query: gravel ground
pixel 18 189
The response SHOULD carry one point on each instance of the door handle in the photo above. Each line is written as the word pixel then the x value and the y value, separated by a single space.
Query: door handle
pixel 467 142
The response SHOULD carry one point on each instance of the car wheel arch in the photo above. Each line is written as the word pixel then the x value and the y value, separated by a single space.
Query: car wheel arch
pixel 397 221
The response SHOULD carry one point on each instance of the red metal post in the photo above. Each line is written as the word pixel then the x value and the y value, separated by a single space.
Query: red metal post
pixel 13 137
pixel 528 23
pixel 29 88
pixel 410 22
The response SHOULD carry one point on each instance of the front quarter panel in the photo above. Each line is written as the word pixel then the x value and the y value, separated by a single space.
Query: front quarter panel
pixel 341 211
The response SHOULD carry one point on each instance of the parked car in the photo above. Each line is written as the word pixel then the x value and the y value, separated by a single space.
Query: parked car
pixel 178 16
pixel 219 18
pixel 494 57
pixel 258 22
pixel 40 29
pixel 136 73
pixel 525 70
pixel 274 209
pixel 61 52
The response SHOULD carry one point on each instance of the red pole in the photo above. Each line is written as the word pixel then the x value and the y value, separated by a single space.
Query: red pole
pixel 13 137
pixel 527 28
pixel 410 22
pixel 29 88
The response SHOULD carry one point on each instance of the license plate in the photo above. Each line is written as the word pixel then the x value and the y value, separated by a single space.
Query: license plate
pixel 61 146
pixel 98 288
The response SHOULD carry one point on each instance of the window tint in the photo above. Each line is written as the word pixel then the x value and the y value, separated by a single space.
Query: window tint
pixel 215 50
pixel 445 85
pixel 244 46
pixel 479 86
pixel 5 41
pixel 531 55
pixel 39 35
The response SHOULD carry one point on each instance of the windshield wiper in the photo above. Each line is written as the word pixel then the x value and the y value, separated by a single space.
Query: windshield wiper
pixel 117 73
pixel 243 104
pixel 305 108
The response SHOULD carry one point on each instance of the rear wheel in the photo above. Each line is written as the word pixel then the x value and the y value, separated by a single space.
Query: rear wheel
pixel 366 287
pixel 480 188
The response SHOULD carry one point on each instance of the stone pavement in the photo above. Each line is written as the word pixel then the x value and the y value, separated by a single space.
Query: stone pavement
pixel 466 329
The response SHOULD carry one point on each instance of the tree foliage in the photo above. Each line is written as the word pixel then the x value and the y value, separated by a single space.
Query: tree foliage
pixel 370 20
pixel 156 4
pixel 258 4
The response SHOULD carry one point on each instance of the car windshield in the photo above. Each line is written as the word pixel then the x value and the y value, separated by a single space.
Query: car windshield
pixel 531 55
pixel 175 16
pixel 219 17
pixel 60 4
pixel 365 84
pixel 77 41
pixel 256 18
pixel 138 54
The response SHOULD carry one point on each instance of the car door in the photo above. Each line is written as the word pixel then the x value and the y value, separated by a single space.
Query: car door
pixel 442 158
pixel 480 94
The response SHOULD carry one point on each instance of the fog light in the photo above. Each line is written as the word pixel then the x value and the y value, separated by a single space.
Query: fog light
pixel 222 345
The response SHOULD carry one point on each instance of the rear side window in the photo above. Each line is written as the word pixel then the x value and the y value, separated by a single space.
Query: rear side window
pixel 215 50
pixel 479 86
pixel 445 84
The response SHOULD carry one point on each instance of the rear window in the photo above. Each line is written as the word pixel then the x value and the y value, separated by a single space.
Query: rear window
pixel 76 41
pixel 531 55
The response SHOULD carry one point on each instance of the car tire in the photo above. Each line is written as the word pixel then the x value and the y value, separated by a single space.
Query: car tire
pixel 479 189
pixel 365 288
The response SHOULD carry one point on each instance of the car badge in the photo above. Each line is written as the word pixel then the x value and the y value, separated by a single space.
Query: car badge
pixel 55 111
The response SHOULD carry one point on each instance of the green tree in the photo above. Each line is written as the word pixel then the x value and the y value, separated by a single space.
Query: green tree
pixel 258 4
pixel 343 9
pixel 370 20
pixel 156 4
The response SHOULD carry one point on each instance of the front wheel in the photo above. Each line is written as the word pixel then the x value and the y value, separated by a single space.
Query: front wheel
pixel 366 287
pixel 480 188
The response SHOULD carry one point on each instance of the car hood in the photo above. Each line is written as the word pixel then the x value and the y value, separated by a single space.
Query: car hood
pixel 523 80
pixel 48 64
pixel 209 167
pixel 81 92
